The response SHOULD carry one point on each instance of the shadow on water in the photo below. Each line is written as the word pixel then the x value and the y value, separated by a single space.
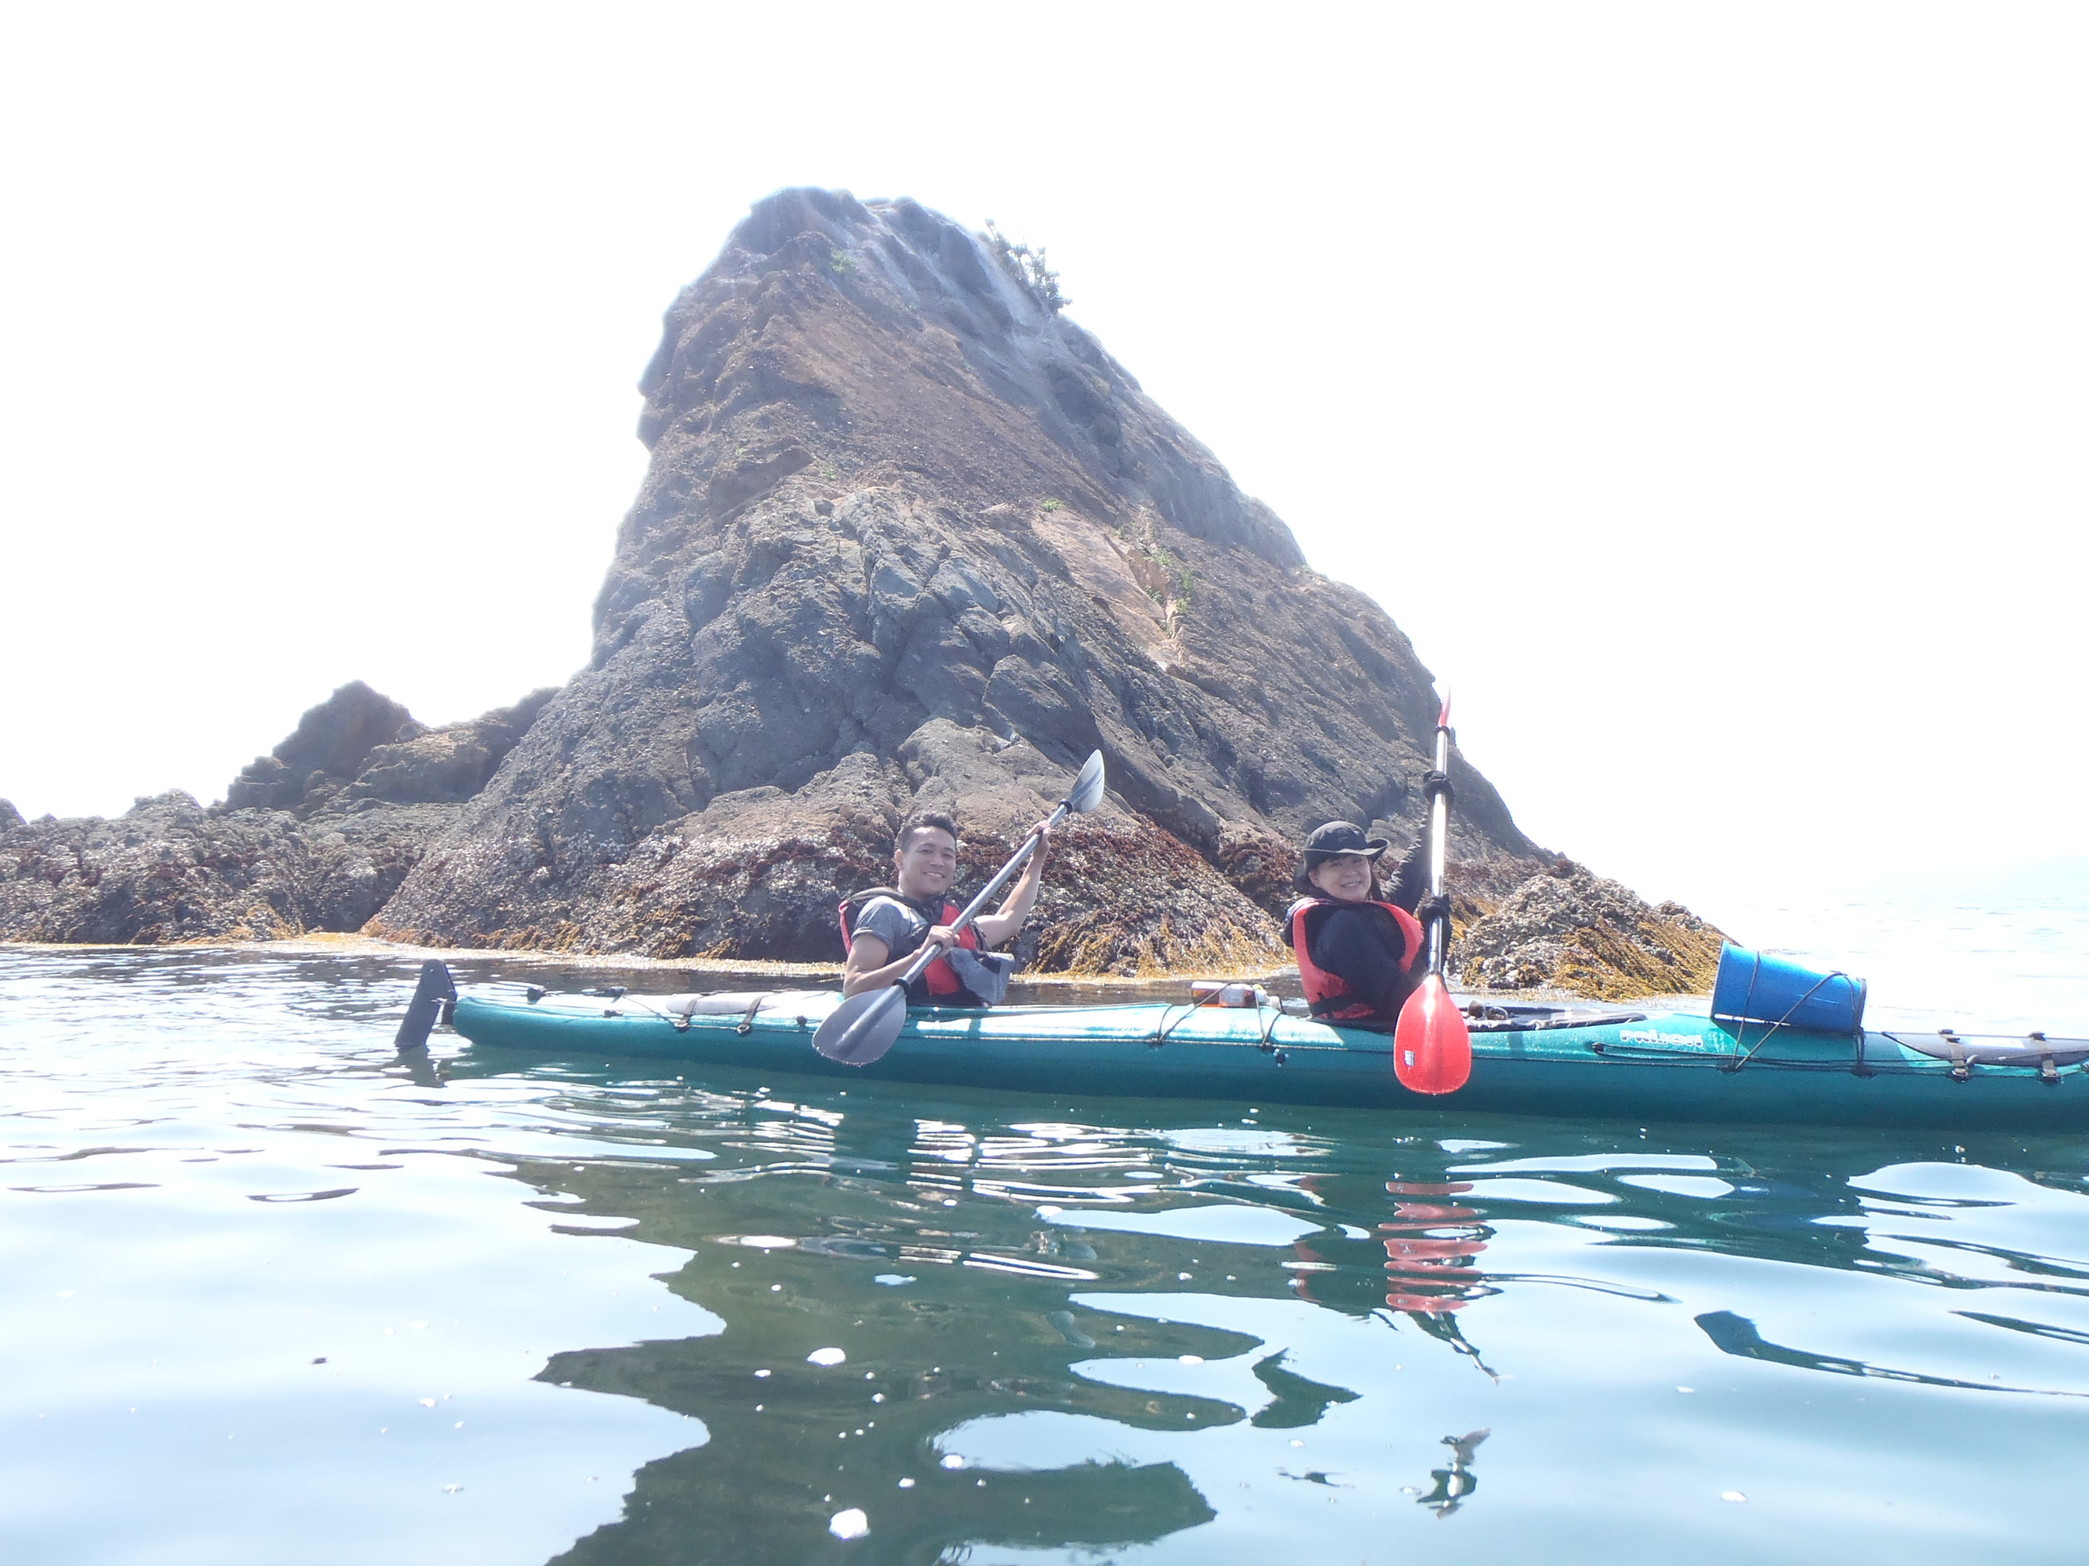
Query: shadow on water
pixel 1088 1325
pixel 979 1257
pixel 834 1235
pixel 914 1243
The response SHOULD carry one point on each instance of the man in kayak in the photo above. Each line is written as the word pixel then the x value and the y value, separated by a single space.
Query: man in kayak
pixel 883 927
pixel 1359 948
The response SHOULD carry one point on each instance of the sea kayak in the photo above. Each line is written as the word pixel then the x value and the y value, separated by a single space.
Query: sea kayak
pixel 1580 1061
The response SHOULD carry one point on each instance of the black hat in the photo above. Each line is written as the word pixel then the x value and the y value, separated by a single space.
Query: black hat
pixel 1342 837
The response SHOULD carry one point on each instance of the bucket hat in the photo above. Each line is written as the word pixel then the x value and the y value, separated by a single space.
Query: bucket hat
pixel 1342 837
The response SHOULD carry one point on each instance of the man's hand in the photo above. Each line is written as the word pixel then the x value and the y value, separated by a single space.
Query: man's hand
pixel 940 935
pixel 998 926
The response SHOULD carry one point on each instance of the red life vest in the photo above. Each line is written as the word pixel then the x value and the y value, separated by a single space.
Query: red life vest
pixel 938 984
pixel 1329 993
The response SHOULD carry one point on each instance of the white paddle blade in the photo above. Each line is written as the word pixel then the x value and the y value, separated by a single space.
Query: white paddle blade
pixel 863 1027
pixel 1088 787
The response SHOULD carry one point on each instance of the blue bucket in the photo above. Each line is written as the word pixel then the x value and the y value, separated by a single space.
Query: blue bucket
pixel 1752 987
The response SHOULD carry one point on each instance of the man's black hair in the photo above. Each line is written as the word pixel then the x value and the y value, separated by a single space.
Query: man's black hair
pixel 920 820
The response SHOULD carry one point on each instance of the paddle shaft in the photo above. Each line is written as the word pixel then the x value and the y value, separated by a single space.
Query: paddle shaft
pixel 929 953
pixel 1439 843
pixel 1432 1048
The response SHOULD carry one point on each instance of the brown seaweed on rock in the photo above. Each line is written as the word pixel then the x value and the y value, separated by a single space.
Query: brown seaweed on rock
pixel 1573 931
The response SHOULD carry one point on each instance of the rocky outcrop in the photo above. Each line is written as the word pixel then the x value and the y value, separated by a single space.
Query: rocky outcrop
pixel 326 749
pixel 444 766
pixel 1573 931
pixel 355 795
pixel 911 537
pixel 170 870
pixel 357 745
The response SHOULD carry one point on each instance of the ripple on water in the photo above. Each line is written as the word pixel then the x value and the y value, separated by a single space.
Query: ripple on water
pixel 275 1296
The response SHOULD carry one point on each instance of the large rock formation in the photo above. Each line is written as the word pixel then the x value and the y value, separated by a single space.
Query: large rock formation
pixel 910 538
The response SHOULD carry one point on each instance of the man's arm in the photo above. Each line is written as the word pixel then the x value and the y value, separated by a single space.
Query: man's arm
pixel 998 926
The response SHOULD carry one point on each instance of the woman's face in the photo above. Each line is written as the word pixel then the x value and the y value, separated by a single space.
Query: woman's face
pixel 1346 877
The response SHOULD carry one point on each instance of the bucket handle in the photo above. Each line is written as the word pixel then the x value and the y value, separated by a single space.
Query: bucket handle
pixel 1755 959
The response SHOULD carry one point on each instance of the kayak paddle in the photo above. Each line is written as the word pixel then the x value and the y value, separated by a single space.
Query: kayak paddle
pixel 864 1026
pixel 1432 1051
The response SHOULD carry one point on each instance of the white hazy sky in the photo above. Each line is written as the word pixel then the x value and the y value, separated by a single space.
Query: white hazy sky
pixel 1701 386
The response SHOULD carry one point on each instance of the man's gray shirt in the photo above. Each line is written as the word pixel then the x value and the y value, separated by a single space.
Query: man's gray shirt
pixel 898 926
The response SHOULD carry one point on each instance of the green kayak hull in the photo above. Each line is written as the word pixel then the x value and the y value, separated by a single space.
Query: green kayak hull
pixel 1530 1060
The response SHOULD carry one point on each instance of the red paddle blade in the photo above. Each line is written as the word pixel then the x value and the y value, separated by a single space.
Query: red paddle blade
pixel 1432 1052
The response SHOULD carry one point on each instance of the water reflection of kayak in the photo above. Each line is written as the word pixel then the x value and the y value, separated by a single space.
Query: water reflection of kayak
pixel 1554 1060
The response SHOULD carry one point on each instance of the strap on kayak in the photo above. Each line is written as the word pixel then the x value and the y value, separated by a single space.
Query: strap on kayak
pixel 1167 1025
pixel 1269 1016
pixel 1739 1059
pixel 1860 1064
pixel 678 1021
pixel 1967 1051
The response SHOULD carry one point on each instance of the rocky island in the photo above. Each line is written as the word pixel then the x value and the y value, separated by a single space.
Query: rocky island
pixel 909 538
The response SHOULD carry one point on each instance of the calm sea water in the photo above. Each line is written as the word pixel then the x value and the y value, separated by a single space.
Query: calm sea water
pixel 271 1297
pixel 1992 963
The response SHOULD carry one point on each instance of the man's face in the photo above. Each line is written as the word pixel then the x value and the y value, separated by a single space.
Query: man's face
pixel 926 863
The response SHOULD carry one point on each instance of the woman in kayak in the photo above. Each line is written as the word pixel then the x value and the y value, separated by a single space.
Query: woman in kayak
pixel 1359 947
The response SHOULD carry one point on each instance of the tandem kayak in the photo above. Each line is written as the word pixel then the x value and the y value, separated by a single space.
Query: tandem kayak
pixel 1533 1059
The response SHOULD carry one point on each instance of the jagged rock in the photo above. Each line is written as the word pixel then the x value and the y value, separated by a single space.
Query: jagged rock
pixel 10 818
pixel 446 765
pixel 330 744
pixel 170 870
pixel 1573 931
pixel 910 537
